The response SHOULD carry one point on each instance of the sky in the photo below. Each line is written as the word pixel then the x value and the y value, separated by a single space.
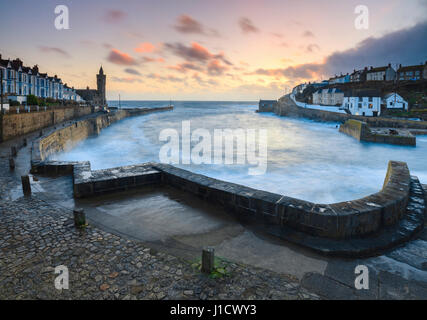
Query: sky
pixel 210 50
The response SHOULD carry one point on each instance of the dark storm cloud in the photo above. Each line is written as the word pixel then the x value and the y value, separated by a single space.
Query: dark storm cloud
pixel 407 46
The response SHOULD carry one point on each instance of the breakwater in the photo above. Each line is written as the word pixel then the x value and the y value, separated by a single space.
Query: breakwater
pixel 285 107
pixel 361 131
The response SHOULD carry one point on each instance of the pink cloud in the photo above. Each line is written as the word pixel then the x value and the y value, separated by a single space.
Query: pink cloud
pixel 186 24
pixel 195 52
pixel 121 58
pixel 215 68
pixel 145 47
pixel 184 67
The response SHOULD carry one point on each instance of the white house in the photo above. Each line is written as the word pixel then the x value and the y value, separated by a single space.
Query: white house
pixel 386 73
pixel 363 104
pixel 394 101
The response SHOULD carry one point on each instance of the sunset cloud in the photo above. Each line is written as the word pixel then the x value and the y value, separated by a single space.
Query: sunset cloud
pixel 215 68
pixel 247 26
pixel 304 71
pixel 170 78
pixel 54 50
pixel 132 71
pixel 149 59
pixel 312 47
pixel 308 34
pixel 126 80
pixel 121 58
pixel 184 67
pixel 114 16
pixel 145 47
pixel 186 24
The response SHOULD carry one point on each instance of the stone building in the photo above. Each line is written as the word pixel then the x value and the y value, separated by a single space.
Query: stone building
pixel 95 97
pixel 386 73
pixel 417 72
pixel 267 105
pixel 328 97
pixel 359 75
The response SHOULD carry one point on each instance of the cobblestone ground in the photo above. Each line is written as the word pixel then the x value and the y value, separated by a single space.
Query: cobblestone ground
pixel 37 237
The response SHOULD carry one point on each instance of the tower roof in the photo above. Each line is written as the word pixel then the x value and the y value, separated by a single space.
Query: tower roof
pixel 101 71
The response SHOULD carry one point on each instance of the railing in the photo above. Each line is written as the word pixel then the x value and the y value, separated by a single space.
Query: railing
pixel 27 109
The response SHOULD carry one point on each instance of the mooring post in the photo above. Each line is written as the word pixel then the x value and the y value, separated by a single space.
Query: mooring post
pixel 24 142
pixel 26 186
pixel 13 151
pixel 79 218
pixel 41 133
pixel 11 163
pixel 208 257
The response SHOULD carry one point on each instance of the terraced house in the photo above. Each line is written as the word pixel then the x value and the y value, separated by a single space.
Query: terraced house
pixel 414 73
pixel 19 81
pixel 386 73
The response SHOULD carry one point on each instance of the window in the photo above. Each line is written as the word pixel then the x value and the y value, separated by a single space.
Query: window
pixel 370 106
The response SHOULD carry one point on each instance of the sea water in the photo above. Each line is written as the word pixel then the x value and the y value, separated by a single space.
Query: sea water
pixel 306 159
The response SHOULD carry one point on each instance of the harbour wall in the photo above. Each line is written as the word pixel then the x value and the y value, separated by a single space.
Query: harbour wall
pixel 287 108
pixel 361 131
pixel 65 138
pixel 14 125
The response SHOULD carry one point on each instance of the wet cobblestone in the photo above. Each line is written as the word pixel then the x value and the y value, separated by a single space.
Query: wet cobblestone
pixel 37 238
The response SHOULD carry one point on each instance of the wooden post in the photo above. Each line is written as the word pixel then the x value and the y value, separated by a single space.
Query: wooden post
pixel 24 142
pixel 79 218
pixel 11 164
pixel 208 258
pixel 26 186
pixel 13 151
